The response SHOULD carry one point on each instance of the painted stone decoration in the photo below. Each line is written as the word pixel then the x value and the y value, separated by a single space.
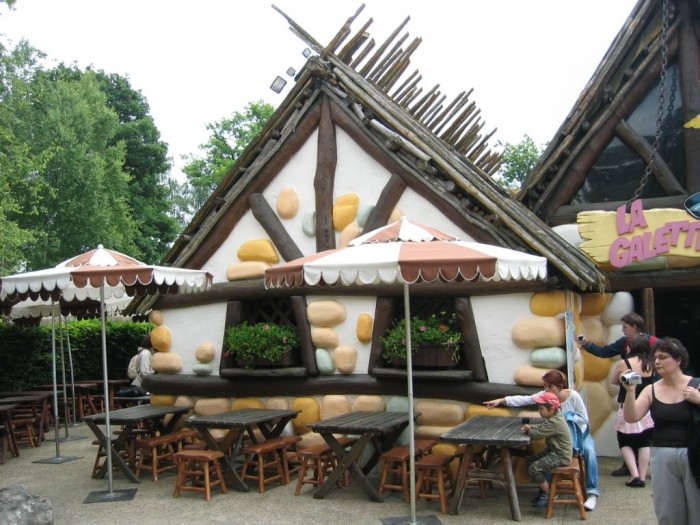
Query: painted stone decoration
pixel 475 409
pixel 363 214
pixel 324 361
pixel 324 338
pixel 166 400
pixel 372 403
pixel 258 250
pixel 277 403
pixel 247 402
pixel 594 303
pixel 205 352
pixel 552 357
pixel 184 401
pixel 593 329
pixel 345 359
pixel 569 232
pixel 156 317
pixel 212 405
pixel 365 325
pixel 620 304
pixel 537 332
pixel 202 369
pixel 308 224
pixel 682 262
pixel 287 203
pixel 161 338
pixel 395 215
pixel 596 368
pixel 310 412
pixel 600 404
pixel 548 303
pixel 345 210
pixel 439 413
pixel 326 313
pixel 334 405
pixel 528 375
pixel 246 270
pixel 350 232
pixel 166 362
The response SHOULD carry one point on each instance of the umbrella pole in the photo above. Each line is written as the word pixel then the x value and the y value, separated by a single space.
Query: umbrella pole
pixel 56 424
pixel 66 411
pixel 411 423
pixel 70 368
pixel 108 430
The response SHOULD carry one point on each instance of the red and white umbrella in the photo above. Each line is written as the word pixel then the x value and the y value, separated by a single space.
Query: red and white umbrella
pixel 98 275
pixel 406 252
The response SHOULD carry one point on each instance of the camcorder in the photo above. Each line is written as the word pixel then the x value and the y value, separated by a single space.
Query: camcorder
pixel 631 378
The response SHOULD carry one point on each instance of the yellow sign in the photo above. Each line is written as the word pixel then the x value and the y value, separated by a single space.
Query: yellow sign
pixel 619 238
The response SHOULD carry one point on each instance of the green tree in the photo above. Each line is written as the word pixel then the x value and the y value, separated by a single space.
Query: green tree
pixel 229 138
pixel 518 160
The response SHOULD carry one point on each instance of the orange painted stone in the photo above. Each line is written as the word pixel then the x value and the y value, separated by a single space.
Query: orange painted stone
pixel 365 326
pixel 247 402
pixel 258 250
pixel 161 338
pixel 310 412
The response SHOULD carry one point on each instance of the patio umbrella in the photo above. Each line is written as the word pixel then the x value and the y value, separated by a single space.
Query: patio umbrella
pixel 406 252
pixel 98 275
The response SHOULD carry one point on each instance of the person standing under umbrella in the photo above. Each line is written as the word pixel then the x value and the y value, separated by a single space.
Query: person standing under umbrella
pixel 144 361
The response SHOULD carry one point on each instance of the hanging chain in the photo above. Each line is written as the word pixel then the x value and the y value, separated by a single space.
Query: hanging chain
pixel 660 112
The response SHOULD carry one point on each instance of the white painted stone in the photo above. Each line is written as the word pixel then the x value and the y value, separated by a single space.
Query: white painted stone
pixel 552 357
pixel 324 361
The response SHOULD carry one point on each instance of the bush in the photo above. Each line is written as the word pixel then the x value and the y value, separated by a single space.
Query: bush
pixel 267 341
pixel 25 352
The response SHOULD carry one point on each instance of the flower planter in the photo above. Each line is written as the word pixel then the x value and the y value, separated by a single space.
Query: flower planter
pixel 429 356
pixel 287 359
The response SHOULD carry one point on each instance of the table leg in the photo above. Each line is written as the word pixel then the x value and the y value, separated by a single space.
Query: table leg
pixel 10 429
pixel 118 445
pixel 347 461
pixel 462 478
pixel 234 480
pixel 510 483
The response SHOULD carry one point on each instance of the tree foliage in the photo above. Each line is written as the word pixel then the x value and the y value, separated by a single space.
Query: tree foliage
pixel 518 161
pixel 229 138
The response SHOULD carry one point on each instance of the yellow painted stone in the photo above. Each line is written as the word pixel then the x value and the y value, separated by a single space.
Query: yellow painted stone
pixel 599 403
pixel 258 250
pixel 548 303
pixel 161 338
pixel 205 352
pixel 539 332
pixel 277 403
pixel 212 405
pixel 166 362
pixel 396 214
pixel 475 409
pixel 594 330
pixel 431 431
pixel 594 303
pixel 310 412
pixel 439 413
pixel 247 402
pixel 287 203
pixel 246 270
pixel 350 232
pixel 595 368
pixel 528 375
pixel 345 210
pixel 184 401
pixel 326 313
pixel 448 449
pixel 310 439
pixel 579 372
pixel 365 325
pixel 373 403
pixel 166 400
pixel 345 358
pixel 324 337
pixel 334 405
pixel 156 317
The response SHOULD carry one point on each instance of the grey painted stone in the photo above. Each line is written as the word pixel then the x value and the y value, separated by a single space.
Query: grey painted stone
pixel 551 357
pixel 324 361
pixel 202 369
pixel 308 224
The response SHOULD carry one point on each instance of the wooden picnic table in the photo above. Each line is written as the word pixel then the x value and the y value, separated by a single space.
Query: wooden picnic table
pixel 270 422
pixel 129 419
pixel 6 420
pixel 85 403
pixel 503 435
pixel 381 429
pixel 38 403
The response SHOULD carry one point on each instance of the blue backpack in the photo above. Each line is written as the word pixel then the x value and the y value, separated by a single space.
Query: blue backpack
pixel 577 423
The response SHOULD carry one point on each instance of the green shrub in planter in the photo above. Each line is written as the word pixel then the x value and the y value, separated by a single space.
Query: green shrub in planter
pixel 251 343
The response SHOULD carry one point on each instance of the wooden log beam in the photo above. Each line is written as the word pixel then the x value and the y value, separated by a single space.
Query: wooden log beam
pixel 660 169
pixel 568 214
pixel 689 60
pixel 678 278
pixel 308 350
pixel 391 193
pixel 470 336
pixel 355 384
pixel 324 180
pixel 383 316
pixel 272 225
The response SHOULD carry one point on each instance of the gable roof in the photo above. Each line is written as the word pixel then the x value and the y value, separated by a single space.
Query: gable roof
pixel 438 147
pixel 629 71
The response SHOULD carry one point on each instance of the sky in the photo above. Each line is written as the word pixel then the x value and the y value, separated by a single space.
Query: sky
pixel 198 62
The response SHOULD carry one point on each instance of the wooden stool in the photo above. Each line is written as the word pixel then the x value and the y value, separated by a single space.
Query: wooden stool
pixel 288 454
pixel 194 466
pixel 24 431
pixel 264 457
pixel 566 481
pixel 395 465
pixel 157 452
pixel 434 468
pixel 316 459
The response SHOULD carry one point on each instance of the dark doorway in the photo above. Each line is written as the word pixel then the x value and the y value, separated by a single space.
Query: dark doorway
pixel 678 315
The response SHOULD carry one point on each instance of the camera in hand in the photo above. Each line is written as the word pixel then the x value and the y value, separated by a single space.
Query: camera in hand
pixel 580 337
pixel 631 378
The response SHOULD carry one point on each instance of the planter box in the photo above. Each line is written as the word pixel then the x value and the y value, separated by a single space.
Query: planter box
pixel 287 359
pixel 430 356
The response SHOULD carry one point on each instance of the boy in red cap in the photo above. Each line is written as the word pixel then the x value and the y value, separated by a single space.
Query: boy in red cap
pixel 557 438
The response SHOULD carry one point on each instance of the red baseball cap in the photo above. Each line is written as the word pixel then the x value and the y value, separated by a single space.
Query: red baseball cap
pixel 547 398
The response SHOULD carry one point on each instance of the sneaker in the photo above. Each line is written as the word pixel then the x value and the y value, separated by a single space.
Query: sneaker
pixel 591 502
pixel 542 502
pixel 620 472
pixel 537 498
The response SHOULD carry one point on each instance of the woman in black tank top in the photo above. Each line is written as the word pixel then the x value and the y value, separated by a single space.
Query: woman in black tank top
pixel 670 402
